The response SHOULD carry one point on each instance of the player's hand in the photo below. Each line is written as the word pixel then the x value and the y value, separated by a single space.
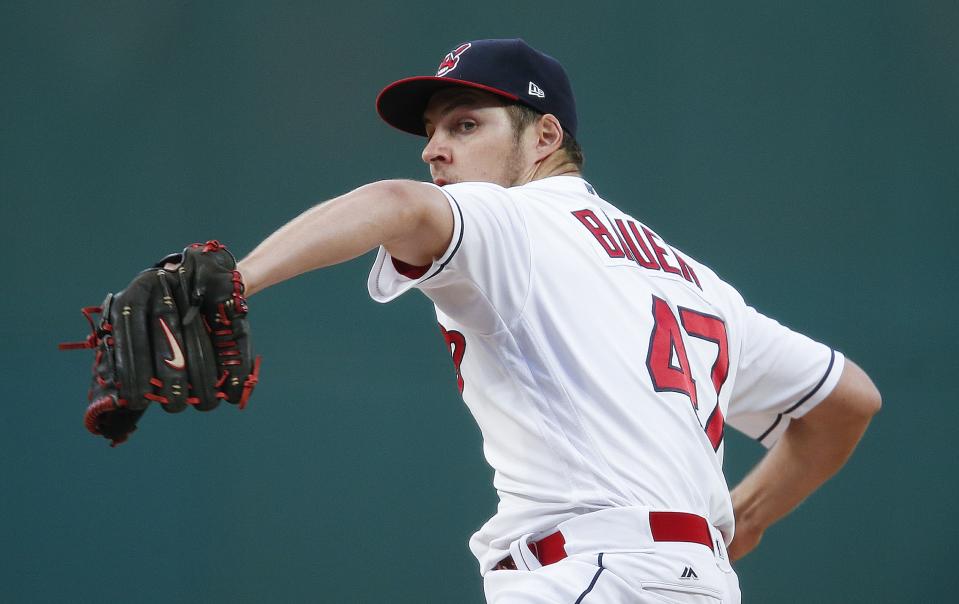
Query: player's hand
pixel 745 541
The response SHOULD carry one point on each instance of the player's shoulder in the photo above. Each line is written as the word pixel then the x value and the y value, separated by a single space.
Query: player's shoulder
pixel 553 187
pixel 558 186
pixel 556 195
pixel 476 189
pixel 543 195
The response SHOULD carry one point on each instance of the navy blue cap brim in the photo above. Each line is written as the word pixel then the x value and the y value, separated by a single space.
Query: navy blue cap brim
pixel 402 103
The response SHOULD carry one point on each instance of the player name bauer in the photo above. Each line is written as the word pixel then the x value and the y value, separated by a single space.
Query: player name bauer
pixel 601 364
pixel 635 243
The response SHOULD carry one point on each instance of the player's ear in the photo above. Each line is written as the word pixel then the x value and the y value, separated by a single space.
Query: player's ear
pixel 549 135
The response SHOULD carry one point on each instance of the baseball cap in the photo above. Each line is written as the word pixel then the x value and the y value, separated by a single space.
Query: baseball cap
pixel 511 69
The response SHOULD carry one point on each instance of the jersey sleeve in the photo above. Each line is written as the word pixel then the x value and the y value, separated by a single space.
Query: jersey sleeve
pixel 782 375
pixel 390 278
pixel 485 271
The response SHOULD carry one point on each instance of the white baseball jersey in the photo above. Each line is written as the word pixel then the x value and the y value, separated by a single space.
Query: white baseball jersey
pixel 600 363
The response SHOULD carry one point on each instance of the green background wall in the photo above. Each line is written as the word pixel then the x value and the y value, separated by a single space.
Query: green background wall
pixel 805 151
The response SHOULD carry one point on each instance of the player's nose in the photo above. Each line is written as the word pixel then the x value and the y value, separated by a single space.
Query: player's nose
pixel 435 150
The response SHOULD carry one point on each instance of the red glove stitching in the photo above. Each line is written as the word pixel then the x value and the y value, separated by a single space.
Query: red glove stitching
pixel 250 382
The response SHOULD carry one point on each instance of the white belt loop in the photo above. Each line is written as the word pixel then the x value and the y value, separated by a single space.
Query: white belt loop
pixel 719 549
pixel 523 556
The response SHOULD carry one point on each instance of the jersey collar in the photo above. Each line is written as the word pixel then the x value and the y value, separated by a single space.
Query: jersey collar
pixel 562 183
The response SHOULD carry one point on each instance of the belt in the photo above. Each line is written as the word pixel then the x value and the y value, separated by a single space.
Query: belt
pixel 664 526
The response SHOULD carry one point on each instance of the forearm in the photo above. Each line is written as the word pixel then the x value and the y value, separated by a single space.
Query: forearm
pixel 797 465
pixel 811 450
pixel 335 231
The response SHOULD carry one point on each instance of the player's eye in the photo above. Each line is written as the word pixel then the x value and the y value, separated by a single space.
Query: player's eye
pixel 465 126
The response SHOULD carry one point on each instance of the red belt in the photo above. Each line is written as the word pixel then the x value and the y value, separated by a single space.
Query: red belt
pixel 664 526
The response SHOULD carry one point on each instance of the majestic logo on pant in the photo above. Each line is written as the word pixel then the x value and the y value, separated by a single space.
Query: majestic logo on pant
pixel 689 573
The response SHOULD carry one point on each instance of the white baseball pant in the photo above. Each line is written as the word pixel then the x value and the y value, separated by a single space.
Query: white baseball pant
pixel 613 557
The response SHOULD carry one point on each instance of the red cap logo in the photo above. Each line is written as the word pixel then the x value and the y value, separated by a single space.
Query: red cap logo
pixel 451 60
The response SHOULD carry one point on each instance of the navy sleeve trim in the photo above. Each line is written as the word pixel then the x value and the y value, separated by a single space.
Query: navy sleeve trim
pixel 832 360
pixel 779 418
pixel 458 241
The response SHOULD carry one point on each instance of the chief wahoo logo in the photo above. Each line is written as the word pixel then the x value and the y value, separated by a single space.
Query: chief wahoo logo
pixel 451 60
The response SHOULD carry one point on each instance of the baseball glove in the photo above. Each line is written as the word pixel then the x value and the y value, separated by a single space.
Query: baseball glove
pixel 178 335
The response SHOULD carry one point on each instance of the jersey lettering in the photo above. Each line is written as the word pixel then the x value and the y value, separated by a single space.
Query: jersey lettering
pixel 457 345
pixel 660 251
pixel 636 243
pixel 688 273
pixel 666 343
pixel 712 329
pixel 600 232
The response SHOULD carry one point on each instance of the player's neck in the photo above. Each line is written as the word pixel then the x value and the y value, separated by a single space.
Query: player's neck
pixel 557 164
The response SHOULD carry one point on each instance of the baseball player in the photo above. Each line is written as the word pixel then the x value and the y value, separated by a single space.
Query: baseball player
pixel 601 363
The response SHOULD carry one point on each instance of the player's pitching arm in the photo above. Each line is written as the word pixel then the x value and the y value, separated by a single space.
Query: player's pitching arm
pixel 811 450
pixel 411 219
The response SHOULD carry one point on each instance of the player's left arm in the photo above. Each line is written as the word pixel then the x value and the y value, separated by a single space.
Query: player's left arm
pixel 812 449
pixel 412 220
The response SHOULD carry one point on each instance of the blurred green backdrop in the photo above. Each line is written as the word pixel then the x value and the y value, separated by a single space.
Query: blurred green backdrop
pixel 806 151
